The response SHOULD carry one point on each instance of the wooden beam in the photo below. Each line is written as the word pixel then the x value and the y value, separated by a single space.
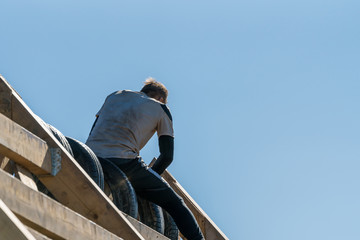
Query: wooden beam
pixel 24 147
pixel 5 108
pixel 5 98
pixel 14 143
pixel 145 231
pixel 5 164
pixel 71 186
pixel 10 225
pixel 25 176
pixel 46 215
pixel 37 235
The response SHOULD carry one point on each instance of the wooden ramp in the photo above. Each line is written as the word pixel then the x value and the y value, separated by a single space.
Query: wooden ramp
pixel 83 211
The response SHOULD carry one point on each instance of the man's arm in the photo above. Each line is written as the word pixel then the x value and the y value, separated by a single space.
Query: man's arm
pixel 166 146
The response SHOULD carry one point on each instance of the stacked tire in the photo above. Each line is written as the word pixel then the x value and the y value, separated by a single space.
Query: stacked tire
pixel 115 185
pixel 84 156
pixel 119 189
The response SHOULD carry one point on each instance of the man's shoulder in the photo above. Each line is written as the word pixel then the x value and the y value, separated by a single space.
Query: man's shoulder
pixel 125 92
pixel 166 110
pixel 148 101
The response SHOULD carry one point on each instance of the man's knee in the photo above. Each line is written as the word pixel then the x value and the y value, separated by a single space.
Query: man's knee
pixel 173 201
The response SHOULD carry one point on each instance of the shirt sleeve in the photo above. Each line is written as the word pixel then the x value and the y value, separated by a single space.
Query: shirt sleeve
pixel 166 147
pixel 165 124
pixel 98 113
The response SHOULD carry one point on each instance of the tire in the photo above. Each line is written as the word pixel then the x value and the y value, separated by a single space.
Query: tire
pixel 118 188
pixel 41 187
pixel 171 230
pixel 57 134
pixel 151 215
pixel 61 138
pixel 87 160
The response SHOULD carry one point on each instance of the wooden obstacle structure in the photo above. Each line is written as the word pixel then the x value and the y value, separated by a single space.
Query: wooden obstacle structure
pixel 82 211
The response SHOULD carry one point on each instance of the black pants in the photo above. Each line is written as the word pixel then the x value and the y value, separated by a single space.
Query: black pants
pixel 150 186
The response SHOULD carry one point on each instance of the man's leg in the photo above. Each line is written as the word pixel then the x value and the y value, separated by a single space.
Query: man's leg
pixel 149 185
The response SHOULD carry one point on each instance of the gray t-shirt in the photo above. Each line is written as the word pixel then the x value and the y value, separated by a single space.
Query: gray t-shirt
pixel 126 122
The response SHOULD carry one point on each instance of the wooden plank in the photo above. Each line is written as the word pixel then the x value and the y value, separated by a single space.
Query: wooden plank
pixel 37 235
pixel 5 164
pixel 10 225
pixel 145 231
pixel 24 147
pixel 25 176
pixel 46 215
pixel 71 186
pixel 5 100
pixel 21 173
pixel 5 108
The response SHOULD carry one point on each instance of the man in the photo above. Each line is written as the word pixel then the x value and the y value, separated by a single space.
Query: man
pixel 124 124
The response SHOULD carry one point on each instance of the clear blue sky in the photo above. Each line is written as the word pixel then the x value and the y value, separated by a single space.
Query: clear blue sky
pixel 264 96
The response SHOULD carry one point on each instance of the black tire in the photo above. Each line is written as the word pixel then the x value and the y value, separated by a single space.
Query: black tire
pixel 41 187
pixel 87 160
pixel 118 188
pixel 171 230
pixel 57 134
pixel 61 138
pixel 151 215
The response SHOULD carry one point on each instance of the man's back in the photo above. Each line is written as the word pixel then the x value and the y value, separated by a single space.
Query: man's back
pixel 126 122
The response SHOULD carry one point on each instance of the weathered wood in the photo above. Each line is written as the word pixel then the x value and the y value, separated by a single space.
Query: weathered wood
pixel 72 183
pixel 24 147
pixel 45 215
pixel 25 176
pixel 36 227
pixel 37 235
pixel 5 164
pixel 5 109
pixel 145 231
pixel 71 186
pixel 10 225
pixel 5 99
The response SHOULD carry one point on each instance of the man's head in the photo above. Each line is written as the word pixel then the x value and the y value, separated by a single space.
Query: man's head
pixel 155 89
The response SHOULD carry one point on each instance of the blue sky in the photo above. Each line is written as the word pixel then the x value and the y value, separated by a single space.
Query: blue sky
pixel 264 96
